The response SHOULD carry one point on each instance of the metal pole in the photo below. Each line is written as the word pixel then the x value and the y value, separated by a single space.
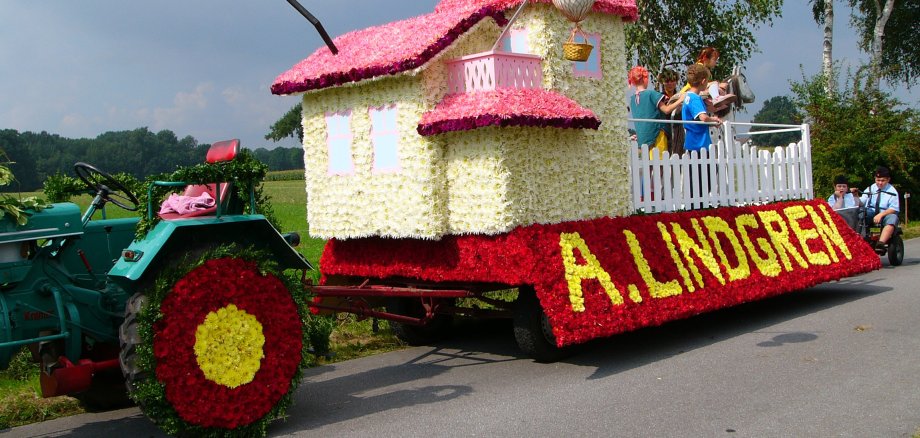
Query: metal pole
pixel 319 27
pixel 514 18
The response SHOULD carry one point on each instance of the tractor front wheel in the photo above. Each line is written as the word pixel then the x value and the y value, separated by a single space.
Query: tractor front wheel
pixel 214 346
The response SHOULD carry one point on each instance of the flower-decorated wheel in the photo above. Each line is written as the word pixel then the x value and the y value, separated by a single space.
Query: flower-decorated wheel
pixel 215 345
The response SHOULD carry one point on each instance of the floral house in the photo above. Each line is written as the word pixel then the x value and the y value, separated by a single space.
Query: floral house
pixel 448 123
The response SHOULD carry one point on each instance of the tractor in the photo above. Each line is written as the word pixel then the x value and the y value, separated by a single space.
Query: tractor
pixel 74 288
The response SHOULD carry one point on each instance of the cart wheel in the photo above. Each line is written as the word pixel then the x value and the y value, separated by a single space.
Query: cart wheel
pixel 435 330
pixel 214 346
pixel 896 250
pixel 532 331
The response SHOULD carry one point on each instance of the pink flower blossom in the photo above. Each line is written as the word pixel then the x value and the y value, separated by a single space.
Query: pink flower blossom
pixel 506 107
pixel 405 45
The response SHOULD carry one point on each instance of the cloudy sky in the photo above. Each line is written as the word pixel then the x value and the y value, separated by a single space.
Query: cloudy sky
pixel 204 67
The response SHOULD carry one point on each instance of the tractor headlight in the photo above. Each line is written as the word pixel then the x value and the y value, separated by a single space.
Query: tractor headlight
pixel 14 252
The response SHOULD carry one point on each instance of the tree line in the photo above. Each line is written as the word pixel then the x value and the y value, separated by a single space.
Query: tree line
pixel 139 152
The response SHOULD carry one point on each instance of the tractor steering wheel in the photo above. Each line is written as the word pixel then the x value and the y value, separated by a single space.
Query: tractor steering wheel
pixel 105 186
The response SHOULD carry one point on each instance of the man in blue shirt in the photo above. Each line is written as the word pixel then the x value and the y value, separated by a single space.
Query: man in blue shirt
pixel 882 204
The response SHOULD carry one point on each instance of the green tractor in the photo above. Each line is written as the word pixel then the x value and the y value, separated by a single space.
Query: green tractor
pixel 97 306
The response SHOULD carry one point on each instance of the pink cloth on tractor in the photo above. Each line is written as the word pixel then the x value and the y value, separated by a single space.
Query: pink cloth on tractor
pixel 187 205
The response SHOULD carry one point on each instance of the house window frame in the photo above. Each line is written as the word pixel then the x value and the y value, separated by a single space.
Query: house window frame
pixel 377 133
pixel 595 61
pixel 510 36
pixel 336 141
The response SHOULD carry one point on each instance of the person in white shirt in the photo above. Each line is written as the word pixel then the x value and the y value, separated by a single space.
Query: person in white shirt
pixel 882 204
pixel 842 196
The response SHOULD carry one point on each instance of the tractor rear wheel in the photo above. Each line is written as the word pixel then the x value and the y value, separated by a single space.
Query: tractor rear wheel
pixel 214 344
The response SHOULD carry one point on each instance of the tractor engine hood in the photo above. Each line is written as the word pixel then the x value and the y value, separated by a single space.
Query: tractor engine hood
pixel 59 220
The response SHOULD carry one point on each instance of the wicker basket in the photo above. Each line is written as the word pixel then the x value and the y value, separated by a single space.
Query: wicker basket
pixel 576 51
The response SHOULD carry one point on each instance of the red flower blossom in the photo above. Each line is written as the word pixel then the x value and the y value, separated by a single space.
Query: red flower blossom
pixel 212 286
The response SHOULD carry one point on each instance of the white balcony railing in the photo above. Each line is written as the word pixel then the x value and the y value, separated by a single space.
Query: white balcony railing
pixel 494 70
pixel 727 174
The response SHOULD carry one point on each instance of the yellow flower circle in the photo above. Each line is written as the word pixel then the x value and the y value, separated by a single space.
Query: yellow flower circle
pixel 228 346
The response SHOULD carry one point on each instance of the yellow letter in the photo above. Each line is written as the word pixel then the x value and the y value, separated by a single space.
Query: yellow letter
pixel 717 225
pixel 656 288
pixel 702 250
pixel 677 261
pixel 591 270
pixel 829 232
pixel 780 238
pixel 767 266
pixel 796 213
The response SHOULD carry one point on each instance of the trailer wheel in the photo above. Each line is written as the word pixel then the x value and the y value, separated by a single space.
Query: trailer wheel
pixel 436 329
pixel 214 345
pixel 532 330
pixel 896 250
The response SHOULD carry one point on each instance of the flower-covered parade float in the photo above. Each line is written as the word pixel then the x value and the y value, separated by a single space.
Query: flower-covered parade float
pixel 459 153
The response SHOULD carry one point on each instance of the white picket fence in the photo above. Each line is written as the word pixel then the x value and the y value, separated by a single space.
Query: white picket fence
pixel 723 175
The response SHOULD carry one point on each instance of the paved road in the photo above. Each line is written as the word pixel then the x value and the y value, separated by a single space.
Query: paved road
pixel 842 359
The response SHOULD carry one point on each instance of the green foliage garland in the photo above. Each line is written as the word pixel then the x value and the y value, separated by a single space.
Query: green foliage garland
pixel 242 171
pixel 61 188
pixel 17 209
pixel 150 393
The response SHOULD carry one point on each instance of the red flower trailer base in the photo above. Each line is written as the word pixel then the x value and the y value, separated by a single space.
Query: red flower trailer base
pixel 600 277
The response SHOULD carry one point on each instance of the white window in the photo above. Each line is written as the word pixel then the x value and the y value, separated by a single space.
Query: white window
pixel 592 67
pixel 516 41
pixel 338 142
pixel 385 138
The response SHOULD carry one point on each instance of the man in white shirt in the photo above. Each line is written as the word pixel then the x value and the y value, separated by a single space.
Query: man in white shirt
pixel 882 204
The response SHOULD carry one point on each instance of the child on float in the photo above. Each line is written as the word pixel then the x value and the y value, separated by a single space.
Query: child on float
pixel 667 85
pixel 708 58
pixel 696 135
pixel 843 197
pixel 882 205
pixel 649 104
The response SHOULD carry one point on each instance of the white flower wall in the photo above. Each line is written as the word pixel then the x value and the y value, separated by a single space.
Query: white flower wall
pixel 408 203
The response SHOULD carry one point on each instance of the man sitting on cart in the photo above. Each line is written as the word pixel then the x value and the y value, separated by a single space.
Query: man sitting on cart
pixel 882 205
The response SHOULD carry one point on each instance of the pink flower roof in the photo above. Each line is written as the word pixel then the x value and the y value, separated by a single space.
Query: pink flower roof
pixel 405 45
pixel 506 107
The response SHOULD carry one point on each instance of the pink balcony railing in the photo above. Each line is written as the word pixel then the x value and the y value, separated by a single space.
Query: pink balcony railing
pixel 494 70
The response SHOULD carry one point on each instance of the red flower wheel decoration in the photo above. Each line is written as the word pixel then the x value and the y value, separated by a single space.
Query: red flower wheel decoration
pixel 228 344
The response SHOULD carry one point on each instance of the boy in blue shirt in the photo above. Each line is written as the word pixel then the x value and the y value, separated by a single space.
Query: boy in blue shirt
pixel 697 135
pixel 882 204
pixel 842 197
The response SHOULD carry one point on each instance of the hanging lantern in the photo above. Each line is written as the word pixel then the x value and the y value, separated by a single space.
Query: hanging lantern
pixel 575 11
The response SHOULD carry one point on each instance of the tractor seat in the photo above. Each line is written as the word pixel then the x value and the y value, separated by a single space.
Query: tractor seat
pixel 218 152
